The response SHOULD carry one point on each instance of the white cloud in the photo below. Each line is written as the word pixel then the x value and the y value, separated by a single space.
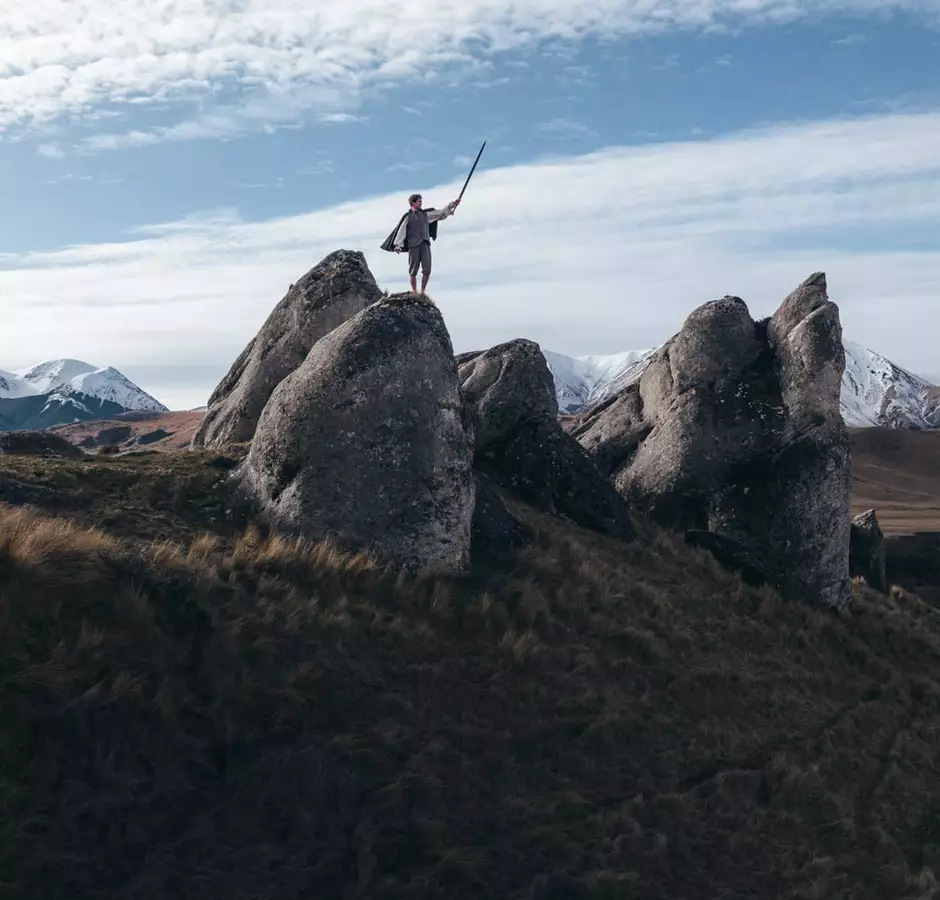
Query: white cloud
pixel 851 40
pixel 260 185
pixel 563 128
pixel 342 118
pixel 323 167
pixel 265 61
pixel 619 248
pixel 50 151
pixel 408 166
pixel 68 176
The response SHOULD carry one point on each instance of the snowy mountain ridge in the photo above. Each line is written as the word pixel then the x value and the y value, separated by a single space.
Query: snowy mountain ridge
pixel 65 391
pixel 11 386
pixel 875 391
pixel 584 381
pixel 67 381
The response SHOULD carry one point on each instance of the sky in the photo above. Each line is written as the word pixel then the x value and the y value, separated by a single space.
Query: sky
pixel 169 167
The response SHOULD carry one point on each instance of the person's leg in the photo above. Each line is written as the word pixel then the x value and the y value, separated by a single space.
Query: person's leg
pixel 425 265
pixel 414 260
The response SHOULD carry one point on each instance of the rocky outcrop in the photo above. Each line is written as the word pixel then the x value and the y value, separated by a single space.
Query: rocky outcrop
pixel 38 443
pixel 366 442
pixel 510 395
pixel 734 428
pixel 109 436
pixel 505 386
pixel 867 551
pixel 336 289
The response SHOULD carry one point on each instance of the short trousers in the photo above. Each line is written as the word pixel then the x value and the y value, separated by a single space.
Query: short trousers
pixel 419 256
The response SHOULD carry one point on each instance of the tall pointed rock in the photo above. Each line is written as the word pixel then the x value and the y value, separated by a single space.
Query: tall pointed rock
pixel 337 288
pixel 734 434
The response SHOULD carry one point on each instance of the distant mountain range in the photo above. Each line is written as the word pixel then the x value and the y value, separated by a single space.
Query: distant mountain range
pixel 875 391
pixel 63 391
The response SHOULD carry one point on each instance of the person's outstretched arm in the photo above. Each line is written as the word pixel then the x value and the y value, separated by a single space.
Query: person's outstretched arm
pixel 435 215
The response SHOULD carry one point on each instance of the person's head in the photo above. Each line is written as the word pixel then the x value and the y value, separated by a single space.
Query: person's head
pixel 414 201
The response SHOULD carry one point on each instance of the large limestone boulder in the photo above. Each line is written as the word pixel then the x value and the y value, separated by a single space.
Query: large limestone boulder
pixel 504 386
pixel 510 394
pixel 337 288
pixel 366 442
pixel 734 428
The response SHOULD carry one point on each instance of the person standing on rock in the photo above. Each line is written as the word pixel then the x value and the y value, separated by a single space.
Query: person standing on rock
pixel 414 233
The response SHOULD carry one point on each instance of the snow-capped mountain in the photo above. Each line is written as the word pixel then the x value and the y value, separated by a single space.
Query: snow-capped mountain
pixel 63 391
pixel 72 376
pixel 583 381
pixel 12 386
pixel 875 391
pixel 49 375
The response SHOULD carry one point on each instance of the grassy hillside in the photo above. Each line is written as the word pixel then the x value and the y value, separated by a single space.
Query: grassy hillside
pixel 186 711
pixel 130 431
pixel 147 495
pixel 892 470
pixel 896 472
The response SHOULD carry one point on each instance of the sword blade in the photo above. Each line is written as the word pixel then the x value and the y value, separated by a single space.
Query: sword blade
pixel 471 172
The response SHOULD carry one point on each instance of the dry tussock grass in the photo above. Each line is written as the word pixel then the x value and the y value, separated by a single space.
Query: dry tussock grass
pixel 147 496
pixel 263 718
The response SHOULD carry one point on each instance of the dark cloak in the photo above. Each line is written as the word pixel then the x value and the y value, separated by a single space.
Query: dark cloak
pixel 389 242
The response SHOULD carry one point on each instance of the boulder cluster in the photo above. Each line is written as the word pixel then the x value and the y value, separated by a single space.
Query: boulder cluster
pixel 733 434
pixel 365 429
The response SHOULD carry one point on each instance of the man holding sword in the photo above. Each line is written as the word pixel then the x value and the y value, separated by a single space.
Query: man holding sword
pixel 417 228
pixel 414 233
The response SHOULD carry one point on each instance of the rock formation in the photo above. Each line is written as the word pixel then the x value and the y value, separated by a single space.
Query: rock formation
pixel 510 394
pixel 366 442
pixel 735 428
pixel 867 551
pixel 337 288
pixel 505 386
pixel 39 443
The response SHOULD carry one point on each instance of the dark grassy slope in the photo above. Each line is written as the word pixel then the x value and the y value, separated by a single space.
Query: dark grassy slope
pixel 250 718
pixel 147 496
